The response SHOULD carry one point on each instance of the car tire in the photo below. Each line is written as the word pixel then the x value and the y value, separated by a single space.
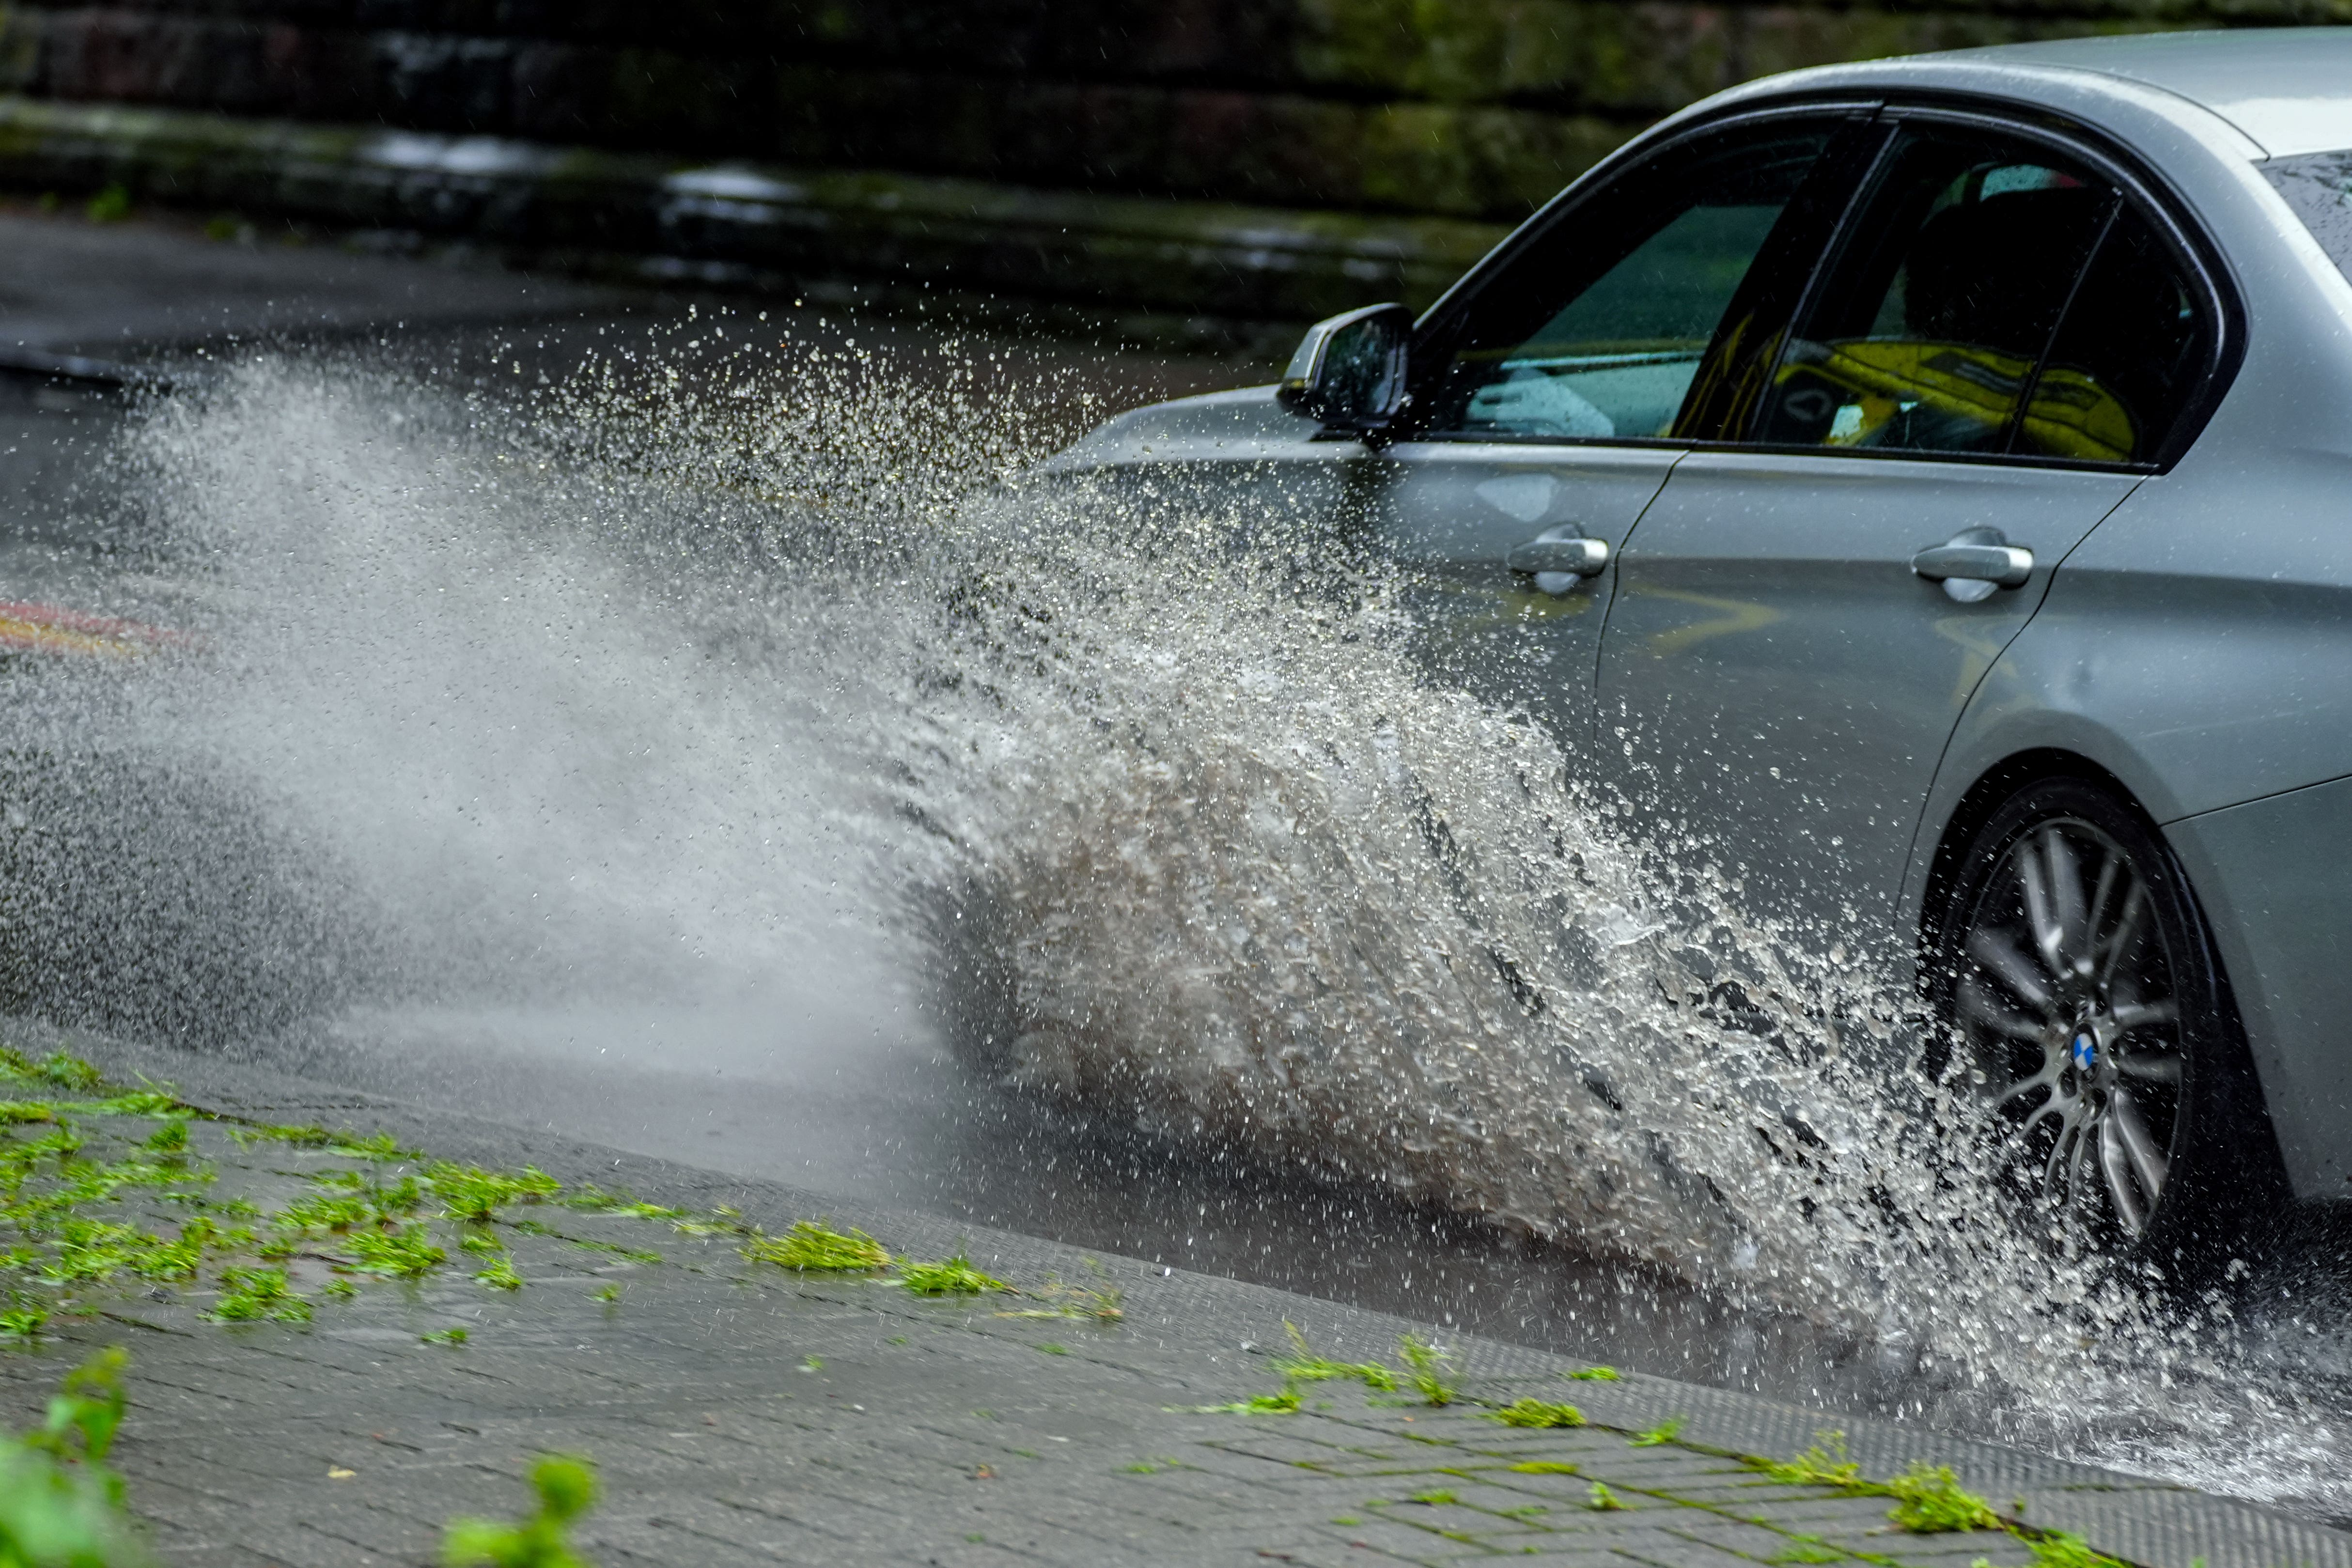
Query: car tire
pixel 2082 997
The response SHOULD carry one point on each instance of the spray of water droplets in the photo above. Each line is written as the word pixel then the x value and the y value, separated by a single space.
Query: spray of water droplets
pixel 656 679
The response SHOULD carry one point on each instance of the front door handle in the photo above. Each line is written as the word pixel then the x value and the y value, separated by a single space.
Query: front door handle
pixel 1974 562
pixel 1559 559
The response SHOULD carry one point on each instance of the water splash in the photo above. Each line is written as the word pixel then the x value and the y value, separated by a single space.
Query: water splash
pixel 657 685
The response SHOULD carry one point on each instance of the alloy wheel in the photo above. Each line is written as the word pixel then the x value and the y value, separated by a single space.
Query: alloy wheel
pixel 2069 1012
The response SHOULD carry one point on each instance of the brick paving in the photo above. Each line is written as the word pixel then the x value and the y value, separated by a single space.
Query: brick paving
pixel 741 1414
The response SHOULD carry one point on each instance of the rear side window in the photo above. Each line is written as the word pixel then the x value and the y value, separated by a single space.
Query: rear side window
pixel 1993 298
pixel 2128 358
pixel 2319 188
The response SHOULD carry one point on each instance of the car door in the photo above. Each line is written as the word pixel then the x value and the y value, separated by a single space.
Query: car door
pixel 1789 648
pixel 1547 392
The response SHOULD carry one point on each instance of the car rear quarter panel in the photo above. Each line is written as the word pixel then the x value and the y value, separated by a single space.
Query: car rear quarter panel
pixel 2271 874
pixel 2198 647
pixel 2221 698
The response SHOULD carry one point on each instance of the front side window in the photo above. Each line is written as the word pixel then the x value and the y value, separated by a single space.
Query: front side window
pixel 1596 331
pixel 1993 298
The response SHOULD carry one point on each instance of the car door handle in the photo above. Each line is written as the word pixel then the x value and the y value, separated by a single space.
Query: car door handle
pixel 1979 557
pixel 1561 552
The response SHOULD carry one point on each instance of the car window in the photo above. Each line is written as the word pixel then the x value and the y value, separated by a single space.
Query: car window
pixel 1927 332
pixel 1994 297
pixel 2129 357
pixel 1595 332
pixel 2318 186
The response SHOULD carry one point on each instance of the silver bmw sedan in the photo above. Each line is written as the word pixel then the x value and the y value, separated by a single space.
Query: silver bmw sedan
pixel 1929 483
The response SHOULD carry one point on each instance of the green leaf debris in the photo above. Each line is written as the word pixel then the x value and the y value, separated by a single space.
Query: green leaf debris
pixel 69 1167
pixel 814 1247
pixel 1427 1369
pixel 1303 1365
pixel 953 1276
pixel 1537 1412
pixel 251 1295
pixel 565 1487
pixel 1929 1501
pixel 59 1503
pixel 1280 1403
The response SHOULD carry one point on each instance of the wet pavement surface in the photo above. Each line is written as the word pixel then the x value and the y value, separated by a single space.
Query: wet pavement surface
pixel 739 1413
pixel 112 291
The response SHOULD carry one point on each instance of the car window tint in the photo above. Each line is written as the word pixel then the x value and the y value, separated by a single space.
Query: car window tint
pixel 1927 332
pixel 1596 331
pixel 2128 358
pixel 2318 186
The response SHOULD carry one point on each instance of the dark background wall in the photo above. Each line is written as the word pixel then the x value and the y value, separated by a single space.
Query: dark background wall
pixel 1466 110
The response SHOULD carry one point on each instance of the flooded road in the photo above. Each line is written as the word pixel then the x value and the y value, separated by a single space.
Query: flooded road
pixel 646 737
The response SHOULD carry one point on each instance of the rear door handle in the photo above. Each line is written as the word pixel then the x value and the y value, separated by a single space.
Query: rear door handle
pixel 1560 558
pixel 1974 562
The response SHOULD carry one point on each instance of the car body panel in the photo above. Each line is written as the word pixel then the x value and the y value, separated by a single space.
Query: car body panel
pixel 2080 85
pixel 2279 85
pixel 1243 425
pixel 2271 875
pixel 1455 509
pixel 2218 659
pixel 1237 457
pixel 1782 685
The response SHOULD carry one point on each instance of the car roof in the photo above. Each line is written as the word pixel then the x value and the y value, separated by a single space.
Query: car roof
pixel 2288 89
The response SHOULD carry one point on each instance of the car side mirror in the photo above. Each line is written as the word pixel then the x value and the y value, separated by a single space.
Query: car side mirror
pixel 1349 371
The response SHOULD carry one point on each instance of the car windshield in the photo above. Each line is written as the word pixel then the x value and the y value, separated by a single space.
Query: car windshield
pixel 2318 186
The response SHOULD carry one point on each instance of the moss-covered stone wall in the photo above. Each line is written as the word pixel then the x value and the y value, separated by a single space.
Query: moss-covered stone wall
pixel 1142 268
pixel 1208 171
pixel 1472 108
